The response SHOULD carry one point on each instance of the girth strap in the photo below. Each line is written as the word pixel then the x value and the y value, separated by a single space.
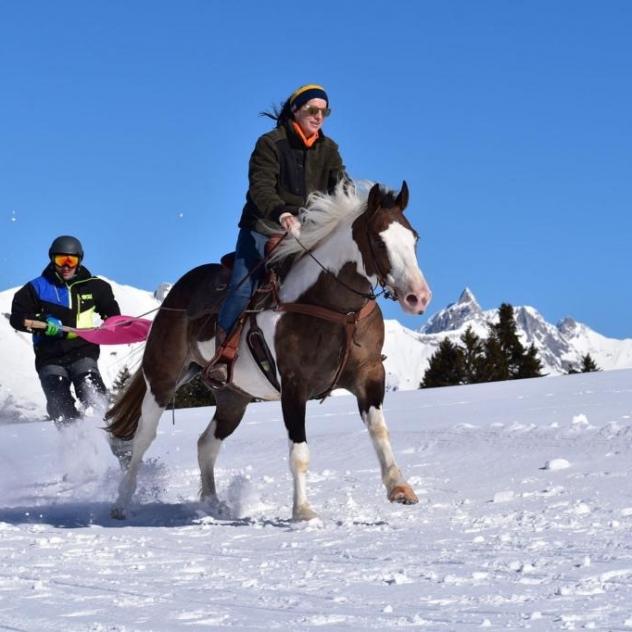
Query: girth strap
pixel 349 321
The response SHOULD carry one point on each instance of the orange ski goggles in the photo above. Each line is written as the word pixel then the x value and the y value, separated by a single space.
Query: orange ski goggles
pixel 72 261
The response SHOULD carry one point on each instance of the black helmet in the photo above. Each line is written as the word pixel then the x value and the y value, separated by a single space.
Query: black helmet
pixel 66 245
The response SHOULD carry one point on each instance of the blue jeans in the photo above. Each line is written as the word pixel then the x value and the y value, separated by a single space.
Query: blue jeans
pixel 250 250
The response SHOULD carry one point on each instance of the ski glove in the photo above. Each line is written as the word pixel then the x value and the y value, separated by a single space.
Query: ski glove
pixel 54 327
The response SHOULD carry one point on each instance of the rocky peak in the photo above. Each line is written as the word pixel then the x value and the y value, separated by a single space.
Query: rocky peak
pixel 455 314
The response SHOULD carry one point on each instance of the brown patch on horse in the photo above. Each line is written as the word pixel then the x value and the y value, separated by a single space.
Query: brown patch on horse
pixel 312 348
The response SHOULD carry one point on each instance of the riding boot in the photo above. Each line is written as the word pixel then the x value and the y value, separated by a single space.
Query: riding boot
pixel 217 371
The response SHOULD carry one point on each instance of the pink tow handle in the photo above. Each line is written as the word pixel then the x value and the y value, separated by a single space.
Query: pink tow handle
pixel 117 330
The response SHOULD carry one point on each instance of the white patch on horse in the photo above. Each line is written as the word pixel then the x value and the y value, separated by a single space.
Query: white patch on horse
pixel 246 373
pixel 150 415
pixel 208 451
pixel 299 464
pixel 400 245
pixel 207 349
pixel 376 425
pixel 337 250
pixel 326 232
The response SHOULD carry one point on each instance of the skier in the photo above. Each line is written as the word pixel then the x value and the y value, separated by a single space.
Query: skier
pixel 65 294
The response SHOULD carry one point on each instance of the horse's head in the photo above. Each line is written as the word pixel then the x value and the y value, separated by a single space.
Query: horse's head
pixel 387 242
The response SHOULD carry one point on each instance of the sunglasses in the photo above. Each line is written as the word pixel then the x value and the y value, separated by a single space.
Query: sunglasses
pixel 312 110
pixel 72 261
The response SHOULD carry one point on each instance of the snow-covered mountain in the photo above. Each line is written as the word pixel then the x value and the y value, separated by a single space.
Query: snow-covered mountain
pixel 407 351
pixel 559 346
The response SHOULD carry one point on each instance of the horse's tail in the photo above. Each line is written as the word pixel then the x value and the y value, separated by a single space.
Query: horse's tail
pixel 122 419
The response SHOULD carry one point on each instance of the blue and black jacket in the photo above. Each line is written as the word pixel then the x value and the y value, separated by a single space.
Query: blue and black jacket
pixel 74 303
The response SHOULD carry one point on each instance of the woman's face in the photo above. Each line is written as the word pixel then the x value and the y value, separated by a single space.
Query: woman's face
pixel 310 116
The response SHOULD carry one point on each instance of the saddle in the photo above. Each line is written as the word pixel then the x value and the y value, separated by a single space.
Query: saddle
pixel 264 297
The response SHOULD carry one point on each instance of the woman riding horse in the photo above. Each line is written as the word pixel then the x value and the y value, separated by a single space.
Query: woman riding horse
pixel 287 164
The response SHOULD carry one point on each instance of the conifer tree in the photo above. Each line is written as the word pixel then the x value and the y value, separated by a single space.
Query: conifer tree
pixel 473 357
pixel 530 365
pixel 122 377
pixel 193 394
pixel 588 364
pixel 445 367
pixel 495 366
pixel 505 331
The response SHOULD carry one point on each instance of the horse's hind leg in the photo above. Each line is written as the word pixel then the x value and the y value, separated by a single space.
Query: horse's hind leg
pixel 162 380
pixel 145 434
pixel 369 391
pixel 229 411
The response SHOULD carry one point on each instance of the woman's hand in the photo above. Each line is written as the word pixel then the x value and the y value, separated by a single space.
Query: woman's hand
pixel 290 224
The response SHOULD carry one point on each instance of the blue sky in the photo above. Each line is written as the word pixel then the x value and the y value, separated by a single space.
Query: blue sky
pixel 130 125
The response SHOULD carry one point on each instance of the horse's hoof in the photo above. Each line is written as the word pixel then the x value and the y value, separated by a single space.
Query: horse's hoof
pixel 117 513
pixel 403 494
pixel 303 513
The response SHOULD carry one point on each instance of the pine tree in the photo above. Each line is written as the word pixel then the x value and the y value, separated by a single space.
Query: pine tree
pixel 495 366
pixel 505 331
pixel 473 357
pixel 193 394
pixel 530 365
pixel 588 364
pixel 122 377
pixel 446 366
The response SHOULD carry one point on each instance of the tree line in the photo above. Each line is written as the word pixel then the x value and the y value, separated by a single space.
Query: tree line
pixel 190 395
pixel 500 356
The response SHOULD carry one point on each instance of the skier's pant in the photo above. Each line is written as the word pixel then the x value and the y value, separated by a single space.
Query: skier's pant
pixel 56 380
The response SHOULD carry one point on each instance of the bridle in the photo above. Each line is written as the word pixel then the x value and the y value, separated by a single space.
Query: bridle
pixel 381 275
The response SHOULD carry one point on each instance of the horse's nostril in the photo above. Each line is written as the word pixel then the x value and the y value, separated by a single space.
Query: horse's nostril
pixel 411 299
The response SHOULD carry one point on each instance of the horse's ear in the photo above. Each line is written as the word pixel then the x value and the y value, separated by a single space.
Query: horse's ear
pixel 374 199
pixel 402 198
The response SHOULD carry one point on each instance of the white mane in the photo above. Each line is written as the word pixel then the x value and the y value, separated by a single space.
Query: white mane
pixel 323 213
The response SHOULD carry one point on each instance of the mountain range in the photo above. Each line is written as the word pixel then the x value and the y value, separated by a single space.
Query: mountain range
pixel 407 352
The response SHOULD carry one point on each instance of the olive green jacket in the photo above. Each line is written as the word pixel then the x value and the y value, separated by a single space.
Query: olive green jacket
pixel 283 172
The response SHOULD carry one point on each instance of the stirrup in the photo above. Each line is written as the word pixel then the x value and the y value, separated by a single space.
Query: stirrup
pixel 216 373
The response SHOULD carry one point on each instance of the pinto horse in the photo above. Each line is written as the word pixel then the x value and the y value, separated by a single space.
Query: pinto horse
pixel 324 330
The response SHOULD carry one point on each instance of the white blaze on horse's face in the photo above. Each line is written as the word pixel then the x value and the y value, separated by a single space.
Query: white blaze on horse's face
pixel 404 277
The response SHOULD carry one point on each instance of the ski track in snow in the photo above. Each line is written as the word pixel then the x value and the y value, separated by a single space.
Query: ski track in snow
pixel 524 520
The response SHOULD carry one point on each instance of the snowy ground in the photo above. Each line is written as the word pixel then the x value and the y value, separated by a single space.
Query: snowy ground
pixel 525 520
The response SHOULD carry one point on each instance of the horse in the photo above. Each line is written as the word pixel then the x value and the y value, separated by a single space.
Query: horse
pixel 324 330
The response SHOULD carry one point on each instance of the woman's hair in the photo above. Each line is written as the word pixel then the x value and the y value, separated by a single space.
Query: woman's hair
pixel 280 113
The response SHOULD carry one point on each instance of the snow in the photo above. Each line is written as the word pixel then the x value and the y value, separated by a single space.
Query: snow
pixel 498 541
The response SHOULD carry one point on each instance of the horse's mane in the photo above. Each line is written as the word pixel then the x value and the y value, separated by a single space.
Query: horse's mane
pixel 322 214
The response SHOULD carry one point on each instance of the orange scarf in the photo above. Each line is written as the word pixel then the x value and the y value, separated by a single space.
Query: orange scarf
pixel 308 142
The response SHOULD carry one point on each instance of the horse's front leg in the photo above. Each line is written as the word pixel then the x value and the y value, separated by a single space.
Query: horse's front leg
pixel 293 403
pixel 370 399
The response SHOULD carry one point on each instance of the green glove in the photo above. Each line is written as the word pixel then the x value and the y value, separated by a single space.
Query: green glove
pixel 54 327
